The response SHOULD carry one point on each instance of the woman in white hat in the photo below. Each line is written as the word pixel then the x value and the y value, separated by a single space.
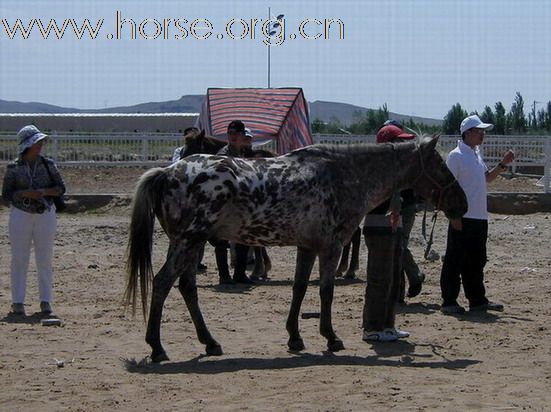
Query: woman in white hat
pixel 30 183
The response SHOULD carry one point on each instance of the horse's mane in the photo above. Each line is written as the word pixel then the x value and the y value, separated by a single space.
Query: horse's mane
pixel 324 150
pixel 328 150
pixel 193 133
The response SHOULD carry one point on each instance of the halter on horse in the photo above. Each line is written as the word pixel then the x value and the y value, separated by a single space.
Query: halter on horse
pixel 314 198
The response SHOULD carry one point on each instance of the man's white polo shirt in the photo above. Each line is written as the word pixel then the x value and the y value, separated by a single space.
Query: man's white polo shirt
pixel 470 170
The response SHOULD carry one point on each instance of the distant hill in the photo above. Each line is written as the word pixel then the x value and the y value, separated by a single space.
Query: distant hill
pixel 323 110
pixel 345 112
pixel 33 107
pixel 190 103
pixel 186 104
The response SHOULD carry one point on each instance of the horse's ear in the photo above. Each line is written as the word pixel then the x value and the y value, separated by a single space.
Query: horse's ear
pixel 428 144
pixel 201 135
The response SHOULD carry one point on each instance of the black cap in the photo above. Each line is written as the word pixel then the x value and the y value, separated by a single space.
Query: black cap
pixel 236 126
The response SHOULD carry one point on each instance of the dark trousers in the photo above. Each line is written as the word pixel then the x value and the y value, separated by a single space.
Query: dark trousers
pixel 384 267
pixel 241 257
pixel 464 263
pixel 221 252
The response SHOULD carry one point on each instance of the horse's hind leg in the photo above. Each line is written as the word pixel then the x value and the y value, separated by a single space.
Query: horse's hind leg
pixel 355 259
pixel 305 262
pixel 328 262
pixel 188 290
pixel 162 283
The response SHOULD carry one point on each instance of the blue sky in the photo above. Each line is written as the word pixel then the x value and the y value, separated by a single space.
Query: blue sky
pixel 419 57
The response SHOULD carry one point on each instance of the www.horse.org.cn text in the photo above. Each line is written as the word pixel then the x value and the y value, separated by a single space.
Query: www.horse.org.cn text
pixel 269 31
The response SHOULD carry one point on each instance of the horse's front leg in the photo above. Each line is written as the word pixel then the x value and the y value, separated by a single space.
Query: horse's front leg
pixel 188 290
pixel 305 262
pixel 328 263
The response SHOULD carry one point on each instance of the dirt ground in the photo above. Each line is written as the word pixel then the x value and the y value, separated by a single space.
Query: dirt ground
pixel 471 362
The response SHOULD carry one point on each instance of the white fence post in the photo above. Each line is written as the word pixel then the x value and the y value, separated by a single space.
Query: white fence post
pixel 145 148
pixel 54 146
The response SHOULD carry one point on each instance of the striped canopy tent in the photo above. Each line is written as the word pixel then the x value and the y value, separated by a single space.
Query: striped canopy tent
pixel 280 115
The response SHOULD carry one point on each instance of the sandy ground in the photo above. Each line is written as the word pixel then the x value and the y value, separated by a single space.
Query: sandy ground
pixel 472 362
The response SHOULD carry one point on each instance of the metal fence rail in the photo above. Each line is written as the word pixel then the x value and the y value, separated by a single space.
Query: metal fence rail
pixel 152 149
pixel 101 149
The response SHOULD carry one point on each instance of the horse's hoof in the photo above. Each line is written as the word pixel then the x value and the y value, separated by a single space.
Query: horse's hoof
pixel 296 345
pixel 335 346
pixel 159 357
pixel 214 350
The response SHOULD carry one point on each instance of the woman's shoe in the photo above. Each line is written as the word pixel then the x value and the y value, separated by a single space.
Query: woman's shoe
pixel 18 309
pixel 45 308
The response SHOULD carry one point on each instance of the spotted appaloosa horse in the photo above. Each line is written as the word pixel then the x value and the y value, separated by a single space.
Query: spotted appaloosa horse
pixel 196 141
pixel 314 198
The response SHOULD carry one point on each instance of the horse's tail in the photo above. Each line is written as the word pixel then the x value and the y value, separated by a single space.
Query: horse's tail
pixel 145 203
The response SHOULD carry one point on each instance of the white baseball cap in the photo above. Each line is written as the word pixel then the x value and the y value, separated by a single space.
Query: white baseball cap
pixel 474 122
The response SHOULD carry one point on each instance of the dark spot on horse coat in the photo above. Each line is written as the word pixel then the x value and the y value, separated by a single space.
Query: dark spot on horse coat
pixel 201 178
pixel 230 186
pixel 258 196
pixel 243 187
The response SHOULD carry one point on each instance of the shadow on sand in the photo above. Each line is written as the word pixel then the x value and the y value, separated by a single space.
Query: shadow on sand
pixel 212 365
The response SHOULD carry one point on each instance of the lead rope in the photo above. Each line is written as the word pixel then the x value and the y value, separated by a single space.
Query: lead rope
pixel 428 242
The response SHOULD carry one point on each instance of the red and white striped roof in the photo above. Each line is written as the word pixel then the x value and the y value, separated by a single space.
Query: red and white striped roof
pixel 276 114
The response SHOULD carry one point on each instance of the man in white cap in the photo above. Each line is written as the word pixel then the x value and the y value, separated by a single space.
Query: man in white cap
pixel 466 246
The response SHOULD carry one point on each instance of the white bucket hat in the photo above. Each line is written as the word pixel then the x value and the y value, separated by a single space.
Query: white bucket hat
pixel 472 122
pixel 28 136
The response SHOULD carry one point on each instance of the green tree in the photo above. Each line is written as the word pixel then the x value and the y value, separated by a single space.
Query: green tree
pixel 540 120
pixel 488 116
pixel 334 126
pixel 547 117
pixel 500 119
pixel 518 119
pixel 453 119
pixel 318 126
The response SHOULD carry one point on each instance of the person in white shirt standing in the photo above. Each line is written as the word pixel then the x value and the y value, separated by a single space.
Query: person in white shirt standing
pixel 466 245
